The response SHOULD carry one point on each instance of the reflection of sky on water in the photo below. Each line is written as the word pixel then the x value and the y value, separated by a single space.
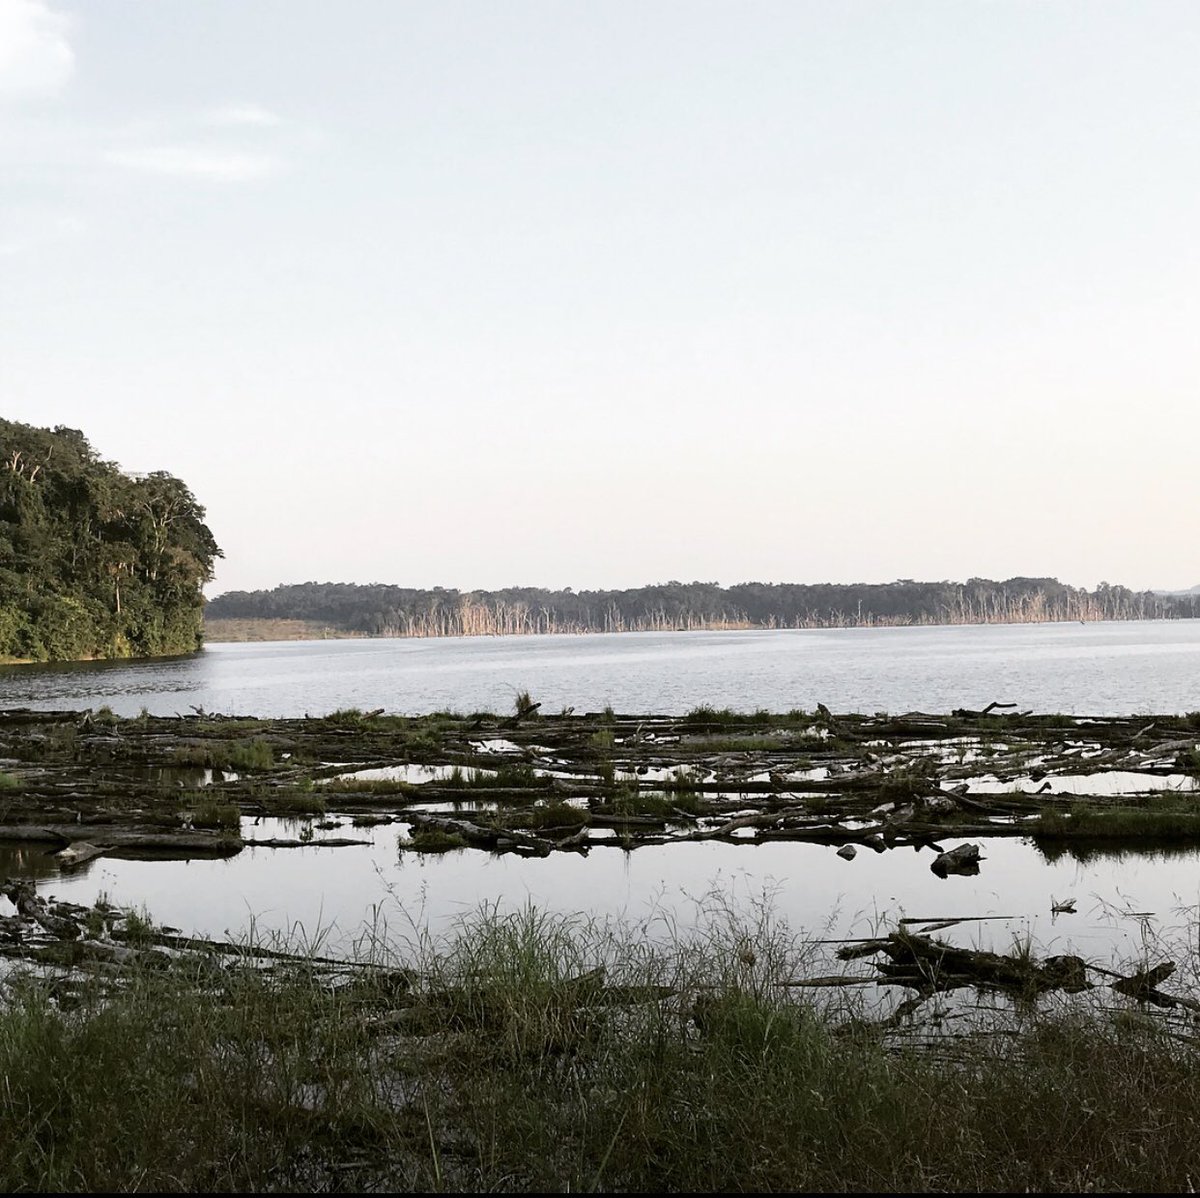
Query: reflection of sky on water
pixel 1095 668
pixel 654 887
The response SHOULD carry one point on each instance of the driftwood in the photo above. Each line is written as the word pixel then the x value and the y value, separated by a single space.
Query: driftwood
pixel 962 860
pixel 927 965
pixel 497 839
pixel 293 842
pixel 119 785
pixel 965 713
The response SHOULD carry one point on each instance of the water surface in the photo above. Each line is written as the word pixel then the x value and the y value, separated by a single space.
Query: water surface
pixel 1112 668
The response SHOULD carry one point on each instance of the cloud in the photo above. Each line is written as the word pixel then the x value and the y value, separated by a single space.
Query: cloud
pixel 36 58
pixel 197 162
pixel 243 114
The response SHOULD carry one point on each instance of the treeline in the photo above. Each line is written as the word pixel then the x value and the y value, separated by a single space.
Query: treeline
pixel 378 610
pixel 95 562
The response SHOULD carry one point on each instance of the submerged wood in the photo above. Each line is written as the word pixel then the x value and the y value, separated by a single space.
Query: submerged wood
pixel 927 965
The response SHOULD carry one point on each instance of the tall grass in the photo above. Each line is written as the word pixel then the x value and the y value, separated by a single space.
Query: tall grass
pixel 526 1051
pixel 1160 817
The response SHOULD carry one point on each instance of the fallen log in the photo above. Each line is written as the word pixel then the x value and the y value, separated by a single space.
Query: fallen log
pixel 288 842
pixel 485 837
pixel 964 859
pixel 79 852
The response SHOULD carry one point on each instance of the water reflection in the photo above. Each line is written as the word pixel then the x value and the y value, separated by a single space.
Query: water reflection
pixel 26 861
pixel 1115 851
pixel 334 893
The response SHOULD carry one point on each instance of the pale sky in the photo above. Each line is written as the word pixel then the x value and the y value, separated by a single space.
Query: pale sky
pixel 601 294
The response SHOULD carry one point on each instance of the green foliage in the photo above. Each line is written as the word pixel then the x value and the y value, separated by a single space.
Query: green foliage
pixel 555 814
pixel 295 803
pixel 212 814
pixel 255 754
pixel 95 562
pixel 1162 817
pixel 628 799
pixel 426 839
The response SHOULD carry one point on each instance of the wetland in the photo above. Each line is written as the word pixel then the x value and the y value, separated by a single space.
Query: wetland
pixel 542 946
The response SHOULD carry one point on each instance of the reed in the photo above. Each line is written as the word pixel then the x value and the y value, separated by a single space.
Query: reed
pixel 527 1051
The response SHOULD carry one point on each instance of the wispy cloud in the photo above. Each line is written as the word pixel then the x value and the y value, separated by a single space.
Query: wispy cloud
pixel 36 58
pixel 243 115
pixel 197 162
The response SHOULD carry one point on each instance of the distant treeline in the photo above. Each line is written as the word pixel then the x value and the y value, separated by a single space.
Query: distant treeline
pixel 378 610
pixel 95 562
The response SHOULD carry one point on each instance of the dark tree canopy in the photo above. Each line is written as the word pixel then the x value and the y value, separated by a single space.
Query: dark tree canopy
pixel 380 610
pixel 94 562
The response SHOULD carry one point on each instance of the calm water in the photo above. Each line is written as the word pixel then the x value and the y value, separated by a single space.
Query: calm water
pixel 338 893
pixel 1105 668
pixel 1117 668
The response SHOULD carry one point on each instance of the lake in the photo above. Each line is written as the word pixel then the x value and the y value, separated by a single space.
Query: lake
pixel 1117 668
pixel 1114 668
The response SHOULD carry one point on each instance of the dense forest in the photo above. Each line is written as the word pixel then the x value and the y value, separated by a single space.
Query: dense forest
pixel 378 610
pixel 95 562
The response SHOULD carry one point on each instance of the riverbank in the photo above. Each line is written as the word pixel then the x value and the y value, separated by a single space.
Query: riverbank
pixel 530 1053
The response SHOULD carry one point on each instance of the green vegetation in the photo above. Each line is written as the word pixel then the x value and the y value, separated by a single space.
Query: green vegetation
pixel 744 744
pixel 426 839
pixel 704 717
pixel 1165 817
pixel 535 1053
pixel 301 803
pixel 627 799
pixel 555 814
pixel 213 814
pixel 95 562
pixel 506 776
pixel 255 754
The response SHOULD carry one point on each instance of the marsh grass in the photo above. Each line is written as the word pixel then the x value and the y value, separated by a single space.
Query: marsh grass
pixel 554 814
pixel 247 755
pixel 296 803
pixel 425 839
pixel 213 814
pixel 505 776
pixel 764 743
pixel 1161 817
pixel 629 799
pixel 706 717
pixel 529 1051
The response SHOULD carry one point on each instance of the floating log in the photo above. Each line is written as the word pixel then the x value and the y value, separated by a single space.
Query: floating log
pixel 964 859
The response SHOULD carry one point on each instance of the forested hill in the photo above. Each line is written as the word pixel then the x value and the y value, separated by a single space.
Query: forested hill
pixel 95 562
pixel 378 610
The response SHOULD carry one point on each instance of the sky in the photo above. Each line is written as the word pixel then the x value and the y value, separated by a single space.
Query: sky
pixel 598 295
